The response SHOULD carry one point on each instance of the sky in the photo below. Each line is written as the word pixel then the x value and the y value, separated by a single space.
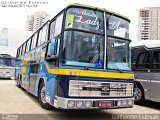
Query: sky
pixel 16 17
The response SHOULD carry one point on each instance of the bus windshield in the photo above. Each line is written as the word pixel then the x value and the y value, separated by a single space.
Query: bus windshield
pixel 7 62
pixel 84 39
pixel 118 54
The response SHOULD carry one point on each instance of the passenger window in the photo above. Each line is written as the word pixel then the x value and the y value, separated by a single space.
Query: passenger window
pixel 52 52
pixel 17 53
pixel 42 35
pixel 34 40
pixel 39 37
pixel 58 25
pixel 52 48
pixel 20 51
pixel 143 60
pixel 156 60
pixel 24 48
pixel 28 45
pixel 52 29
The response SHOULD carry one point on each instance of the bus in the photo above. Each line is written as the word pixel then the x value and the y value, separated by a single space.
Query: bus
pixel 146 66
pixel 80 59
pixel 7 66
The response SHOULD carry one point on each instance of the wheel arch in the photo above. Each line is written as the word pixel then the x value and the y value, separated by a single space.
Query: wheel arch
pixel 41 80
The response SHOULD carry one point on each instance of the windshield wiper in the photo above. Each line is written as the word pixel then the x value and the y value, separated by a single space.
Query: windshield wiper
pixel 115 66
pixel 92 61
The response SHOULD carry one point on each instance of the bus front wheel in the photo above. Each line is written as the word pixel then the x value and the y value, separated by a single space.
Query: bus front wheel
pixel 42 97
pixel 139 94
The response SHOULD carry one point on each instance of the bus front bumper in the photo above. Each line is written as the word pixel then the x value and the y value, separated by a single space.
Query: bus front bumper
pixel 68 103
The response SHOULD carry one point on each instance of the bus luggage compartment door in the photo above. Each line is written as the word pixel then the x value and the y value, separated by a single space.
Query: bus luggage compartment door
pixel 33 74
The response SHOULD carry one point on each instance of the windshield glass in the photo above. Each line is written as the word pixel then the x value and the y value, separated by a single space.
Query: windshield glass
pixel 85 19
pixel 84 40
pixel 80 48
pixel 118 54
pixel 7 62
pixel 118 27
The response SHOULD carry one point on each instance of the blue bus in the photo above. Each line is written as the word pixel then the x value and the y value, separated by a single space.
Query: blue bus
pixel 80 59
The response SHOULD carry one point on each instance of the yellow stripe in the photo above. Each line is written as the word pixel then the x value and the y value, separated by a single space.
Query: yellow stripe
pixel 102 9
pixel 23 70
pixel 89 73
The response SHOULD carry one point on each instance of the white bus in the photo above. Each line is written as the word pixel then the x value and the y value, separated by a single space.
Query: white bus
pixel 146 66
pixel 7 66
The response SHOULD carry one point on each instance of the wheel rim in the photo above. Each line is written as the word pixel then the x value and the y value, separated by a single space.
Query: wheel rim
pixel 43 94
pixel 137 94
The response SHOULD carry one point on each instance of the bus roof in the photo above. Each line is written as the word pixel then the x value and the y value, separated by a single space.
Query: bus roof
pixel 102 9
pixel 148 44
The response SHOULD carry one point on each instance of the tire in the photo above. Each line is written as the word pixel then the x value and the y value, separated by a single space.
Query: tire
pixel 41 97
pixel 139 95
pixel 19 82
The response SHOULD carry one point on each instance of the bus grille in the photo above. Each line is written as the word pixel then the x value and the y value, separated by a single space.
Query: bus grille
pixel 100 89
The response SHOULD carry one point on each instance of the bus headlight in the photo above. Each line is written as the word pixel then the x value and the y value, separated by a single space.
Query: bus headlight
pixel 119 103
pixel 124 102
pixel 130 102
pixel 88 104
pixel 79 104
pixel 71 104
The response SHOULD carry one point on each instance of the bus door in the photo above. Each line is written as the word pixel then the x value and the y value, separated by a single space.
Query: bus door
pixel 33 74
pixel 155 76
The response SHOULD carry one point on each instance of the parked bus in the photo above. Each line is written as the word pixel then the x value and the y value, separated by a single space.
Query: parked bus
pixel 80 59
pixel 7 66
pixel 146 65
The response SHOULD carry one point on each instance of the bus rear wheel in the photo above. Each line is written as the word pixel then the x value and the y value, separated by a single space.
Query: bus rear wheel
pixel 139 95
pixel 42 97
pixel 19 82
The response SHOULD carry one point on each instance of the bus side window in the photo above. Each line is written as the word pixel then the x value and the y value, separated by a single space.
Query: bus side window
pixel 28 45
pixel 18 53
pixel 39 37
pixel 34 40
pixel 156 60
pixel 143 60
pixel 52 52
pixel 52 48
pixel 52 29
pixel 24 48
pixel 58 25
pixel 42 37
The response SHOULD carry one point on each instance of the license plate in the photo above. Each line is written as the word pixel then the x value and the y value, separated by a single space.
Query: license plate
pixel 105 104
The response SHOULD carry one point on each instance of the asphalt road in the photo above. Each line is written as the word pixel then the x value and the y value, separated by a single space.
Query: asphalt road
pixel 16 104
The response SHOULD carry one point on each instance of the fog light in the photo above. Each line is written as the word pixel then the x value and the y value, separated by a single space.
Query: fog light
pixel 124 102
pixel 79 104
pixel 71 103
pixel 119 103
pixel 88 104
pixel 130 102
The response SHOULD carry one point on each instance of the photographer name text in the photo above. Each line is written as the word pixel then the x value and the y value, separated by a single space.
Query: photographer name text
pixel 22 4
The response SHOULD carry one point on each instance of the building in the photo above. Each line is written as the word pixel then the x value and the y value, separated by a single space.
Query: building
pixel 29 23
pixel 149 23
pixel 33 22
pixel 11 39
pixel 4 37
